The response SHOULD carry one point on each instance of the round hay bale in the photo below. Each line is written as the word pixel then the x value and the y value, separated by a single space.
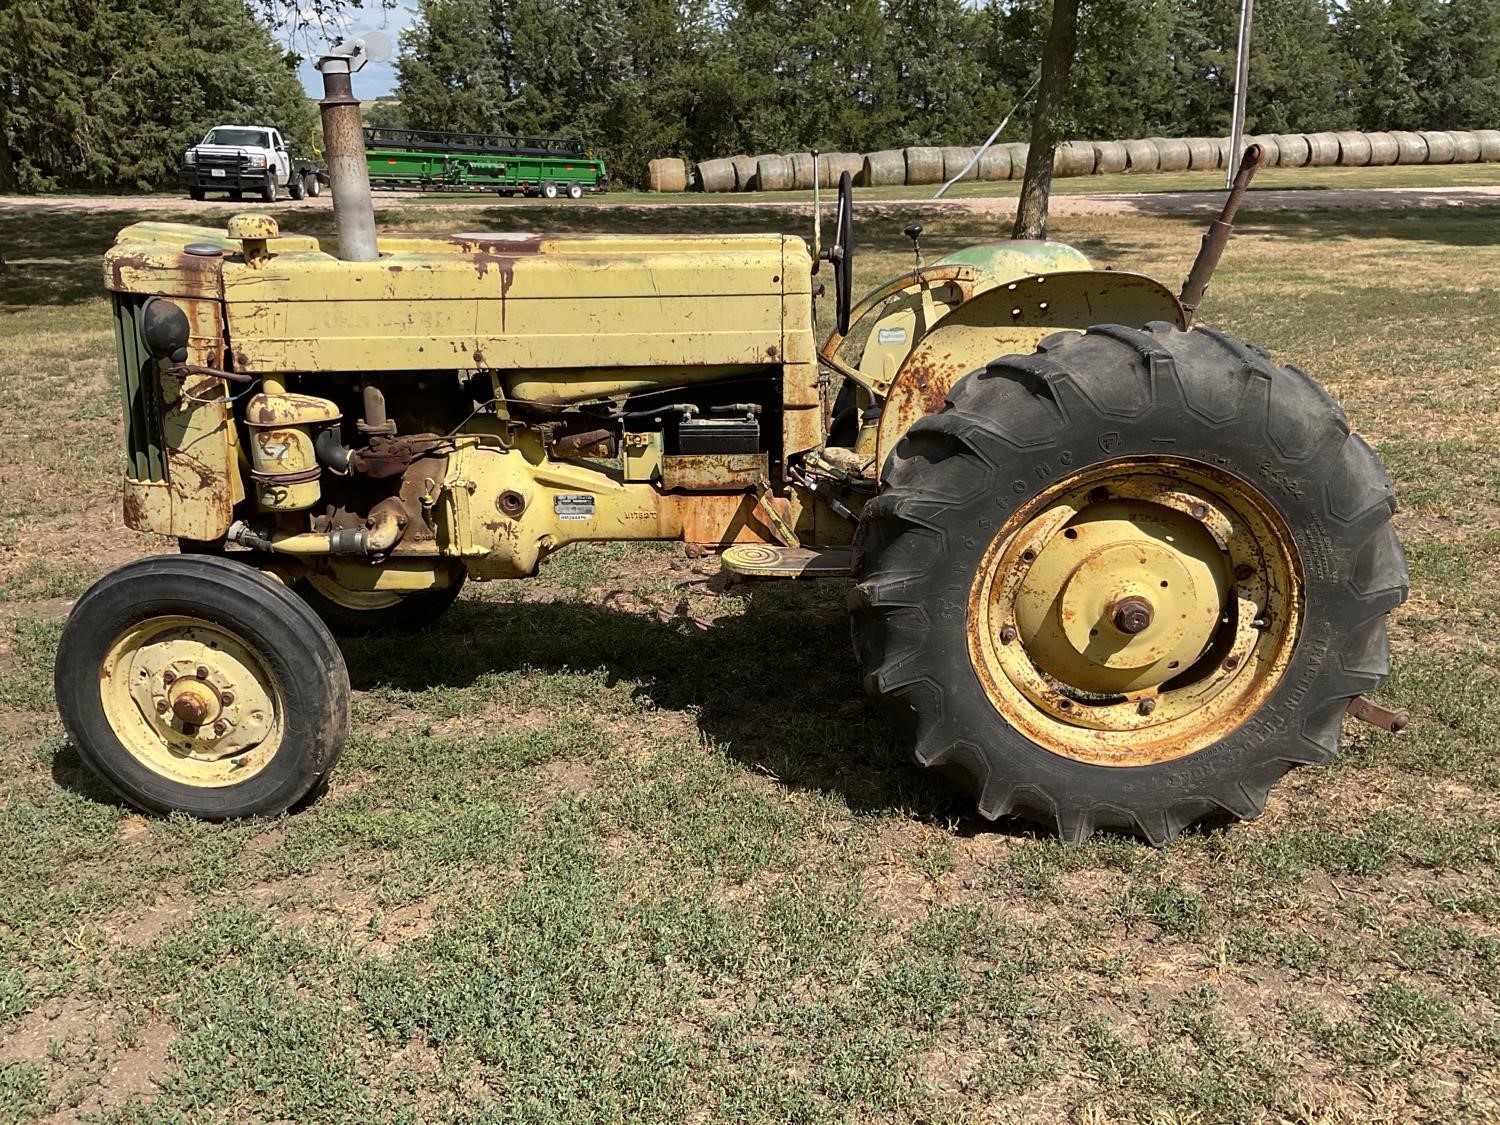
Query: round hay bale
pixel 716 175
pixel 1322 150
pixel 924 165
pixel 1018 150
pixel 1354 149
pixel 1411 148
pixel 773 173
pixel 802 170
pixel 1221 145
pixel 1383 149
pixel 1171 154
pixel 1465 147
pixel 954 159
pixel 1266 141
pixel 1073 158
pixel 1489 143
pixel 666 173
pixel 1141 156
pixel 883 169
pixel 1440 147
pixel 1203 154
pixel 744 172
pixel 1109 157
pixel 1292 150
pixel 834 164
pixel 994 163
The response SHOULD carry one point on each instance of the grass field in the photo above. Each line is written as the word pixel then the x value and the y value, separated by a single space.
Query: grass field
pixel 620 844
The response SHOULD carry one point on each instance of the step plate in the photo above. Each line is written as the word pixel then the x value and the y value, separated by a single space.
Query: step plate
pixel 760 560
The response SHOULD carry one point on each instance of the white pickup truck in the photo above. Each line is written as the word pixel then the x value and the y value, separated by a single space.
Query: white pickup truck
pixel 244 159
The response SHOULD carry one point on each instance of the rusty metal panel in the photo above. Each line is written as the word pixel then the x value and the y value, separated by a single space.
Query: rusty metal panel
pixel 712 472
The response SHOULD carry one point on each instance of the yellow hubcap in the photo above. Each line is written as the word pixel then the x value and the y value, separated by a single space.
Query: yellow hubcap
pixel 192 702
pixel 1136 612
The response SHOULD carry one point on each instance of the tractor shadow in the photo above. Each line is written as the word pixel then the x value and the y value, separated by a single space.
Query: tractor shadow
pixel 775 688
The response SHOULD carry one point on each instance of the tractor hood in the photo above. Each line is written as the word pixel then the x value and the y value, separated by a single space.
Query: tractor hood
pixel 503 300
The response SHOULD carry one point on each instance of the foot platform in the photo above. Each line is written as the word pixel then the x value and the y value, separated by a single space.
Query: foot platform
pixel 761 560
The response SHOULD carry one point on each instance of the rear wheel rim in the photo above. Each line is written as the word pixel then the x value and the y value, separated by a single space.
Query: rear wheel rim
pixel 192 701
pixel 1136 612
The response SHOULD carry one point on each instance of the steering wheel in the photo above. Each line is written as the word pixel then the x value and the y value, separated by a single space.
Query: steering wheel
pixel 841 255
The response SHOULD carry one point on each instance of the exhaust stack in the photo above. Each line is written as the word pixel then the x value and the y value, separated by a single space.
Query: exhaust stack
pixel 344 143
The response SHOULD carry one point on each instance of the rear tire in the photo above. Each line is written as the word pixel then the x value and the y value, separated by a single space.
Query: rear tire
pixel 313 186
pixel 575 191
pixel 549 190
pixel 961 485
pixel 261 705
pixel 294 187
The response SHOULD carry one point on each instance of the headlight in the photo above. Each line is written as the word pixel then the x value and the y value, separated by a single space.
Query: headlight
pixel 190 157
pixel 257 161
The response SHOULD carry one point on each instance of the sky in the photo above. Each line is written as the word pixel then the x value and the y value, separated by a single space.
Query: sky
pixel 376 79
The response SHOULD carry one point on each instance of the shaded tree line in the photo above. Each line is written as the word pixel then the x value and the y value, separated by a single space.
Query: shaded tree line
pixel 702 78
pixel 108 93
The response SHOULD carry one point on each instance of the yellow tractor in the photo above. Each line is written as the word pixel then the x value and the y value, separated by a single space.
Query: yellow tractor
pixel 1111 570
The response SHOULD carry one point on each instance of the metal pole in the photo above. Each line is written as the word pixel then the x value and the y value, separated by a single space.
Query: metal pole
pixel 348 173
pixel 1241 91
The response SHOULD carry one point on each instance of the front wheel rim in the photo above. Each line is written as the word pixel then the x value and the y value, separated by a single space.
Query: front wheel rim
pixel 1136 611
pixel 362 601
pixel 192 701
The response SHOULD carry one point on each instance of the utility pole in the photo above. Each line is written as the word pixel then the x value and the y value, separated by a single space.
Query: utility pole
pixel 1241 92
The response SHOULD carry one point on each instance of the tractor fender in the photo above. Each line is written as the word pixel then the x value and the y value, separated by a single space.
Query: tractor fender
pixel 1012 319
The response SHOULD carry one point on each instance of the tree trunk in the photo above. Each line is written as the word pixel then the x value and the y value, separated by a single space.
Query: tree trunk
pixel 1057 60
pixel 7 167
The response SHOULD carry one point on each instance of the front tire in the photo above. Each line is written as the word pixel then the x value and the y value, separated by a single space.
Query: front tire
pixel 549 190
pixel 575 191
pixel 1127 582
pixel 268 192
pixel 196 194
pixel 195 684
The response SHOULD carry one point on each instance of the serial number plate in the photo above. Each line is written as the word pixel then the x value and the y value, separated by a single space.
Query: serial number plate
pixel 573 507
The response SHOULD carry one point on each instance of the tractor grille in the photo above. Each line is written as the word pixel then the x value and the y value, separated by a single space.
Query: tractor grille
pixel 145 454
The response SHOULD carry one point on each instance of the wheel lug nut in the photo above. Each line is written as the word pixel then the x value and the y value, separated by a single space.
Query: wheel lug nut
pixel 1198 511
pixel 1244 571
pixel 168 676
pixel 202 672
pixel 219 727
pixel 1098 496
pixel 1145 707
pixel 1132 615
pixel 1007 634
pixel 1231 663
pixel 1028 555
pixel 226 697
pixel 161 705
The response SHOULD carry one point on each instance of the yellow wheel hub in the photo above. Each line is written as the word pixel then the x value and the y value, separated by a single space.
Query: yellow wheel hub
pixel 192 702
pixel 1136 612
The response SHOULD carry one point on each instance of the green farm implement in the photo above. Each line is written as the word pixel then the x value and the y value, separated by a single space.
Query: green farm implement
pixel 421 160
